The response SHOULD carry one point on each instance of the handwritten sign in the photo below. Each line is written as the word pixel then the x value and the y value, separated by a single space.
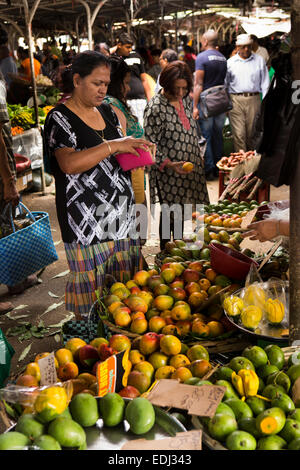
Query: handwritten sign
pixel 190 440
pixel 247 219
pixel 48 370
pixel 199 401
pixel 271 252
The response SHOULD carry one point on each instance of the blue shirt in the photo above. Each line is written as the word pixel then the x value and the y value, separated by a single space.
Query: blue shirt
pixel 214 65
pixel 247 75
pixel 8 66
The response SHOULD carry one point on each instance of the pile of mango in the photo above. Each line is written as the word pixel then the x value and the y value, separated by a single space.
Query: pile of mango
pixel 254 306
pixel 258 410
pixel 59 424
pixel 171 301
pixel 152 356
pixel 228 214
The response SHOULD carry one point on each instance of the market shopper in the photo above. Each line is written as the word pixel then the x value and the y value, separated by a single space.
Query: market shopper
pixel 166 57
pixel 246 79
pixel 140 90
pixel 116 96
pixel 8 189
pixel 210 71
pixel 8 65
pixel 258 49
pixel 94 196
pixel 168 123
pixel 25 68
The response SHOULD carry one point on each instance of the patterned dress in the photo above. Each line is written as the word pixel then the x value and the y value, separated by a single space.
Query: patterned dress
pixel 95 210
pixel 175 134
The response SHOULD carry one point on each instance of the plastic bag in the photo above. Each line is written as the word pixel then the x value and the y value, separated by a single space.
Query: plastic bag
pixel 279 210
pixel 6 354
pixel 26 396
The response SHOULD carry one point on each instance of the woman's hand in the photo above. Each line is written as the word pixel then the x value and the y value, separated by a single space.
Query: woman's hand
pixel 130 145
pixel 177 167
pixel 263 230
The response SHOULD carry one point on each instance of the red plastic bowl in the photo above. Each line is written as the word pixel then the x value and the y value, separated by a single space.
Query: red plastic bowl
pixel 230 263
pixel 22 163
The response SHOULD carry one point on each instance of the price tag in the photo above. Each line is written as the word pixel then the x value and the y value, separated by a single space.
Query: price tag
pixel 48 370
pixel 247 219
pixel 199 401
pixel 24 180
pixel 190 440
pixel 271 252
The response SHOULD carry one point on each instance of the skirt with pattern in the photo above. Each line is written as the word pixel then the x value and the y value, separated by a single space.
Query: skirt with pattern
pixel 90 266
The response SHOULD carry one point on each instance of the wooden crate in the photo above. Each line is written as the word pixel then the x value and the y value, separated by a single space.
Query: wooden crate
pixel 24 180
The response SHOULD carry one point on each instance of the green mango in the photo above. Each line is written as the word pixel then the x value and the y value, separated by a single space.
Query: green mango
pixel 249 425
pixel 257 405
pixel 28 425
pixel 112 408
pixel 140 415
pixel 240 408
pixel 13 440
pixel 275 355
pixel 280 378
pixel 46 442
pixel 84 409
pixel 283 401
pixel 68 433
pixel 240 440
pixel 273 442
pixel 229 392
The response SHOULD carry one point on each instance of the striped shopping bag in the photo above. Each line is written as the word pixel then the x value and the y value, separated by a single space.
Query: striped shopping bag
pixel 28 250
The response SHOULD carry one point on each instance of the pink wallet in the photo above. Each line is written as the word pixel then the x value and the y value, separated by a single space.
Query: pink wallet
pixel 128 161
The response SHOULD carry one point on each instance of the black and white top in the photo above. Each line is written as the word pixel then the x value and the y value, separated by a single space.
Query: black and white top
pixel 96 205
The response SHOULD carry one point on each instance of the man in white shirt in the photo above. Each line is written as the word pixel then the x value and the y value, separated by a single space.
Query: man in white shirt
pixel 247 79
pixel 260 50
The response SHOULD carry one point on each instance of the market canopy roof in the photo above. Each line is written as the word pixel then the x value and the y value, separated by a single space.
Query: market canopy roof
pixel 60 16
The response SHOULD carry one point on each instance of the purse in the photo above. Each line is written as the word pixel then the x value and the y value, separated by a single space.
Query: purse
pixel 129 161
pixel 27 250
pixel 214 101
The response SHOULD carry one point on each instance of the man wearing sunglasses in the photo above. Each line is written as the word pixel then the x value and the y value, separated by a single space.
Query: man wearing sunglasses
pixel 247 80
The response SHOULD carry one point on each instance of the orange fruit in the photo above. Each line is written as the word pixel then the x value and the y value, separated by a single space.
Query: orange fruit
pixel 197 351
pixel 180 360
pixel 170 345
pixel 164 372
pixel 97 341
pixel 27 380
pixel 122 319
pixel 210 274
pixel 87 377
pixel 68 371
pixel 204 284
pixel 200 328
pixel 171 329
pixel 139 325
pixel 73 344
pixel 200 368
pixel 182 374
pixel 33 369
pixel 215 328
pixel 188 167
pixel 114 305
pixel 135 356
pixel 63 356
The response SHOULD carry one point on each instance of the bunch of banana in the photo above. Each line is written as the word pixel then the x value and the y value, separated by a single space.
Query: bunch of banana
pixel 23 119
pixel 274 310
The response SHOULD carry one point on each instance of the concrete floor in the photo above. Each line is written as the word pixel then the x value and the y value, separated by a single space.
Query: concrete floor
pixel 33 303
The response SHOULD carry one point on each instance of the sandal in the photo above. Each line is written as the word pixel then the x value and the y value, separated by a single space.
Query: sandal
pixel 30 281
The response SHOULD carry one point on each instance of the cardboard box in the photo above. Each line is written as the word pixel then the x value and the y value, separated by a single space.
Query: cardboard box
pixel 24 180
